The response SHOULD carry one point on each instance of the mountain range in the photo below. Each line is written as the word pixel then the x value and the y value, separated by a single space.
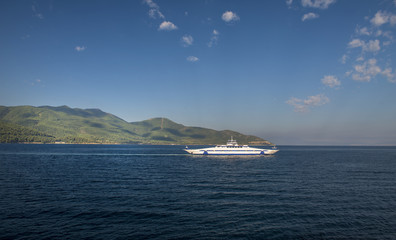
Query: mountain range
pixel 47 124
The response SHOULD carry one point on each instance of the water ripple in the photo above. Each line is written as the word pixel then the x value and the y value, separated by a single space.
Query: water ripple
pixel 157 192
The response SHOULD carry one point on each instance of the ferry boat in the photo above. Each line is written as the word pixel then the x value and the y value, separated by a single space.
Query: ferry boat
pixel 231 148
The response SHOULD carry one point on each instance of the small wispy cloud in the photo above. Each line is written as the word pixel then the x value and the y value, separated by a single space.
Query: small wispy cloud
pixel 322 4
pixel 309 16
pixel 167 26
pixel 214 38
pixel 192 59
pixel 331 81
pixel 360 59
pixel 344 58
pixel 36 82
pixel 150 3
pixel 187 40
pixel 356 43
pixel 36 12
pixel 305 105
pixel 80 48
pixel 154 11
pixel 27 36
pixel 363 31
pixel 289 3
pixel 230 17
pixel 389 74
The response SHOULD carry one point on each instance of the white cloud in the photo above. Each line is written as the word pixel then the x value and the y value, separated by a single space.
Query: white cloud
pixel 363 31
pixel 348 73
pixel 387 34
pixel 229 16
pixel 309 16
pixel 167 26
pixel 150 3
pixel 192 59
pixel 388 73
pixel 154 11
pixel 80 48
pixel 360 59
pixel 331 81
pixel 322 4
pixel 214 38
pixel 366 71
pixel 382 17
pixel 304 105
pixel 369 69
pixel 297 104
pixel 379 18
pixel 344 58
pixel 356 43
pixel 317 100
pixel 187 40
pixel 371 46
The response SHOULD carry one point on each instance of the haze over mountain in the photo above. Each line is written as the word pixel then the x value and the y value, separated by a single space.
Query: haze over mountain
pixel 49 124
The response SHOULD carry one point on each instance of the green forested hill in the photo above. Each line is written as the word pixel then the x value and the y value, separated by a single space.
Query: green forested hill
pixel 72 125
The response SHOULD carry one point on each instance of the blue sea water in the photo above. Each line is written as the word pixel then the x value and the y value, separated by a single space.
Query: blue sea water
pixel 158 192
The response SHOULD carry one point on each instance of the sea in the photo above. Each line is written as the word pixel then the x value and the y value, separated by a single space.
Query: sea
pixel 159 192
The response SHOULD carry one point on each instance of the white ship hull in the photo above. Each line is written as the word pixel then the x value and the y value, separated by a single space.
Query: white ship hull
pixel 232 148
pixel 231 152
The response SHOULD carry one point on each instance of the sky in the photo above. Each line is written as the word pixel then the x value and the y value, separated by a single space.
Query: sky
pixel 295 72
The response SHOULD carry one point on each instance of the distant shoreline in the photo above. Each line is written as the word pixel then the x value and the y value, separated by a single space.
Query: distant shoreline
pixel 61 125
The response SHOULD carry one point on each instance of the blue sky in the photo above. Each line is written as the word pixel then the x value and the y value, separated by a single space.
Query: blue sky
pixel 293 72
